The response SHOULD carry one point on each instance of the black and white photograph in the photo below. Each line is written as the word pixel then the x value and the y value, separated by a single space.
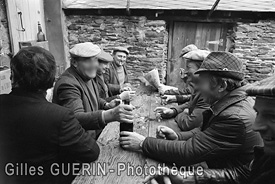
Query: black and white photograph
pixel 137 92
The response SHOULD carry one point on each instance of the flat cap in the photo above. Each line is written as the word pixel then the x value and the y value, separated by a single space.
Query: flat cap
pixel 122 49
pixel 86 49
pixel 224 64
pixel 187 49
pixel 198 54
pixel 265 88
pixel 105 57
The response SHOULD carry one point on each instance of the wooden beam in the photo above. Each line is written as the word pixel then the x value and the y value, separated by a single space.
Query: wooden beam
pixel 213 8
pixel 55 32
pixel 170 41
pixel 180 15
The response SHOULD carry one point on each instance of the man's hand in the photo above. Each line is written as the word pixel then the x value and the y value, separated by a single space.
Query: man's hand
pixel 131 141
pixel 122 113
pixel 164 112
pixel 169 99
pixel 168 176
pixel 113 103
pixel 163 88
pixel 127 95
pixel 164 132
pixel 125 88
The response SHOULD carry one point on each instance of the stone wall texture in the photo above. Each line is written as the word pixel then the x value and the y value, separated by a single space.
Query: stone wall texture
pixel 4 33
pixel 147 40
pixel 255 45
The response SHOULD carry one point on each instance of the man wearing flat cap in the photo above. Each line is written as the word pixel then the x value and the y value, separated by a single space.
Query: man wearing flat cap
pixel 189 115
pixel 104 60
pixel 116 76
pixel 178 93
pixel 262 169
pixel 187 49
pixel 226 139
pixel 76 90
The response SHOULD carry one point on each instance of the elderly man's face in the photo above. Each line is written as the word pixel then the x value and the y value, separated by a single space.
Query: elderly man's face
pixel 209 91
pixel 120 58
pixel 103 67
pixel 191 68
pixel 87 66
pixel 265 122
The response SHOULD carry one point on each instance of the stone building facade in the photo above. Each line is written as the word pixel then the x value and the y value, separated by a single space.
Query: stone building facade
pixel 255 45
pixel 147 41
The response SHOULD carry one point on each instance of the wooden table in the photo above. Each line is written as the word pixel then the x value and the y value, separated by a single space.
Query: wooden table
pixel 113 158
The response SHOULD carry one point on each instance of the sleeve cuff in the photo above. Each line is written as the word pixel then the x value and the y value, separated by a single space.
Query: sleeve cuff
pixel 102 122
pixel 175 112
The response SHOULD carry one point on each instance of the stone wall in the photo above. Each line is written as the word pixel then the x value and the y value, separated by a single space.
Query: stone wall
pixel 4 34
pixel 147 40
pixel 255 44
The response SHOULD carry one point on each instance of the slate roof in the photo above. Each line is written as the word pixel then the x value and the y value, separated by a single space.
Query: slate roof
pixel 230 5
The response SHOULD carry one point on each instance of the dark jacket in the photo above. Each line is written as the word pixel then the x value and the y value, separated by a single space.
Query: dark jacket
pixel 263 168
pixel 226 138
pixel 260 171
pixel 182 95
pixel 72 91
pixel 101 90
pixel 192 119
pixel 111 78
pixel 37 133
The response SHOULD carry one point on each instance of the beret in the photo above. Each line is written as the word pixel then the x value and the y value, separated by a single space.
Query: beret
pixel 265 87
pixel 187 49
pixel 224 64
pixel 121 49
pixel 104 56
pixel 86 49
pixel 198 54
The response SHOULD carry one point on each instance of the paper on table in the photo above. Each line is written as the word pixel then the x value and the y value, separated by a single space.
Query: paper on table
pixel 153 78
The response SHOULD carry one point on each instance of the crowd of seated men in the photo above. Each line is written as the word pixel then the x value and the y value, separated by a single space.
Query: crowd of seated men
pixel 221 123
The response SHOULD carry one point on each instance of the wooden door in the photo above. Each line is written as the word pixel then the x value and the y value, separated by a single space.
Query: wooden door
pixel 23 16
pixel 211 36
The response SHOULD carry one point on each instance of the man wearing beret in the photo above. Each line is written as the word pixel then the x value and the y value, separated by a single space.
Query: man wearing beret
pixel 104 60
pixel 76 90
pixel 116 76
pixel 189 115
pixel 262 168
pixel 226 139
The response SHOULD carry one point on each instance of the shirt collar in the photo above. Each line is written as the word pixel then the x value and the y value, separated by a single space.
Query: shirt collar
pixel 229 99
pixel 21 92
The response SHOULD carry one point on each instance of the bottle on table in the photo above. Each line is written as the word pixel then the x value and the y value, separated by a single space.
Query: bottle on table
pixel 126 126
pixel 40 34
